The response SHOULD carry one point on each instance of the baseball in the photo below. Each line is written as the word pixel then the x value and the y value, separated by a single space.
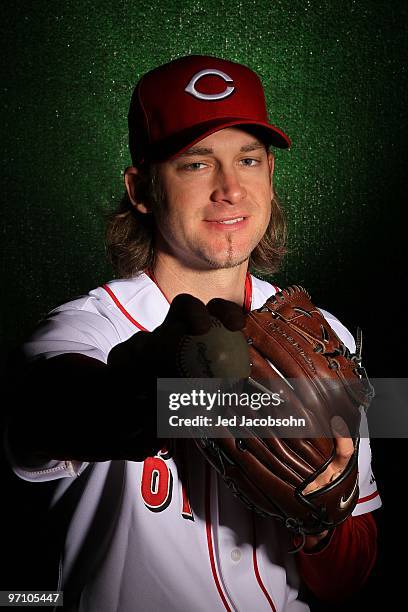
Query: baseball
pixel 220 353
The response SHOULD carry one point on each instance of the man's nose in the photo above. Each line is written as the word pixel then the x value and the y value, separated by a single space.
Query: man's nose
pixel 228 187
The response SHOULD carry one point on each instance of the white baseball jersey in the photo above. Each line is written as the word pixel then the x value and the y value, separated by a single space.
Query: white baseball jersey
pixel 166 532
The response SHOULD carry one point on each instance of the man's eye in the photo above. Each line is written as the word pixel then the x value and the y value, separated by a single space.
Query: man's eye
pixel 193 166
pixel 249 161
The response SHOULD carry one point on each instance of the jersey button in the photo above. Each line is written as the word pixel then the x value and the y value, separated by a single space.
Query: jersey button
pixel 236 555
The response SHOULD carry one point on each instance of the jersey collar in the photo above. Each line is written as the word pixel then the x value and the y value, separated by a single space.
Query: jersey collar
pixel 247 292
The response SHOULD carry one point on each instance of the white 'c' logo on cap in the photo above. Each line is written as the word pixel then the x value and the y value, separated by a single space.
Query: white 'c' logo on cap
pixel 219 96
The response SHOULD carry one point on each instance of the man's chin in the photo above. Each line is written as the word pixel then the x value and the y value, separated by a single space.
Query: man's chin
pixel 228 262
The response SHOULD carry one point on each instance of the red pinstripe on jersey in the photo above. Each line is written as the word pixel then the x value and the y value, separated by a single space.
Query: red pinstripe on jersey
pixel 186 510
pixel 248 293
pixel 208 470
pixel 123 309
pixel 152 277
pixel 256 569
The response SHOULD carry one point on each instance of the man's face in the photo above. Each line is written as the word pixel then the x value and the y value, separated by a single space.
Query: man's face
pixel 217 200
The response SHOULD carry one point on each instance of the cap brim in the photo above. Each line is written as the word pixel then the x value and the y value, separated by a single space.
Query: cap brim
pixel 174 146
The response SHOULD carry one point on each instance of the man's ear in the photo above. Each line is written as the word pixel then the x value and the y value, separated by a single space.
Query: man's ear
pixel 271 162
pixel 133 183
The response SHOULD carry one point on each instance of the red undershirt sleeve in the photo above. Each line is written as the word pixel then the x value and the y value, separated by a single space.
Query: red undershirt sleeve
pixel 344 564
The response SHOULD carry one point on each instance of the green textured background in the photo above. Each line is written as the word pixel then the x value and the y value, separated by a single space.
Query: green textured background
pixel 334 74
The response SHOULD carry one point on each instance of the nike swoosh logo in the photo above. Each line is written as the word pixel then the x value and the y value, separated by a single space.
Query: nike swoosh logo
pixel 345 502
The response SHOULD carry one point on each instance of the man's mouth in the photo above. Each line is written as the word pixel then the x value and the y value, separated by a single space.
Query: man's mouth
pixel 227 220
pixel 231 221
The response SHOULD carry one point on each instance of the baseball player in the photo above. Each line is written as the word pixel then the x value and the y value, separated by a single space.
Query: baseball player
pixel 149 524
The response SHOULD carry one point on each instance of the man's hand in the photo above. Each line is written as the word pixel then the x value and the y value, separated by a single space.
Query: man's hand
pixel 147 356
pixel 155 354
pixel 344 448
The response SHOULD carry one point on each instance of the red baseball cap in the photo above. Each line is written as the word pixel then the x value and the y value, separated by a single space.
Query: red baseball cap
pixel 179 103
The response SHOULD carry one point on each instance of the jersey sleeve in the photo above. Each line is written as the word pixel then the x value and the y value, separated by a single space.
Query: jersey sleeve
pixel 72 329
pixel 369 498
pixel 75 327
pixel 44 472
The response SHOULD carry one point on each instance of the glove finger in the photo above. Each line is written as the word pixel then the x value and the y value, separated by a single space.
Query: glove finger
pixel 189 313
pixel 229 313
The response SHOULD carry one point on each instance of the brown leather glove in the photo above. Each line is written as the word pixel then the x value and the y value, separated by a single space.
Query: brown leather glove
pixel 318 379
